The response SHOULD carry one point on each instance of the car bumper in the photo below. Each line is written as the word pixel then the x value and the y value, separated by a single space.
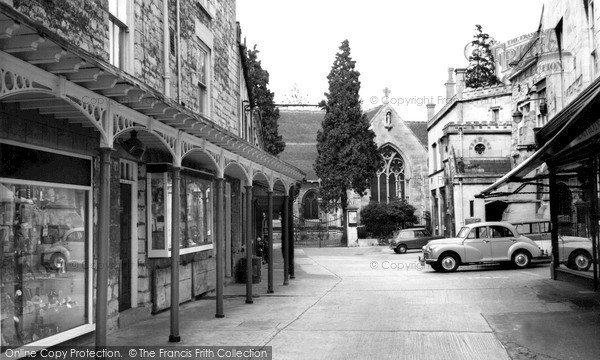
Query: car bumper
pixel 426 259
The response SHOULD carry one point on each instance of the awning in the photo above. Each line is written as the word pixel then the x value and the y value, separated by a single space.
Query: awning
pixel 557 138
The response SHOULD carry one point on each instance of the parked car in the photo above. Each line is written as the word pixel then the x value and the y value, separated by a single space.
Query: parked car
pixel 414 238
pixel 478 243
pixel 573 251
pixel 69 249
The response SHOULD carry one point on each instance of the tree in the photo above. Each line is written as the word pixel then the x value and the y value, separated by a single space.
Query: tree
pixel 382 219
pixel 481 70
pixel 263 98
pixel 347 154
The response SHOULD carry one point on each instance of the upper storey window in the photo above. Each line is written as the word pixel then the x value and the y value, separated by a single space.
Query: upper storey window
pixel 118 30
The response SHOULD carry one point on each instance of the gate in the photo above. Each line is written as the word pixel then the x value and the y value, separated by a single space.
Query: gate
pixel 317 232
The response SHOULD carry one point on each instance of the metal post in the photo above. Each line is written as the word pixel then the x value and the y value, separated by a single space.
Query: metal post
pixel 249 244
pixel 553 219
pixel 175 242
pixel 593 183
pixel 103 247
pixel 285 239
pixel 220 238
pixel 270 234
pixel 291 234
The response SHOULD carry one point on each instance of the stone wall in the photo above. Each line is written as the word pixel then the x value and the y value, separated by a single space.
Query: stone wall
pixel 82 22
pixel 85 23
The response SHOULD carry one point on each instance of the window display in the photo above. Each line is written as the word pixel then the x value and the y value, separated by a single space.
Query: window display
pixel 43 248
pixel 196 211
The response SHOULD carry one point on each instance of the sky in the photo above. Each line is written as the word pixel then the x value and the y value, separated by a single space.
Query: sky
pixel 406 46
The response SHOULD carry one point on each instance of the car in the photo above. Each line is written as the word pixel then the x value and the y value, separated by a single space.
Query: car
pixel 69 249
pixel 480 243
pixel 573 251
pixel 414 238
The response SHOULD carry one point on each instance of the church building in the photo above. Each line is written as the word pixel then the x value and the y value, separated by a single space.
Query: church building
pixel 402 173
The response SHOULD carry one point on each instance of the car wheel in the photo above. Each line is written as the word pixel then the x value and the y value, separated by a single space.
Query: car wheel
pixel 580 260
pixel 448 263
pixel 521 259
pixel 58 261
pixel 400 249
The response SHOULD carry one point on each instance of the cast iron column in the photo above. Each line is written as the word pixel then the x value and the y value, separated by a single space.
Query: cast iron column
pixel 270 234
pixel 249 226
pixel 220 238
pixel 285 239
pixel 553 219
pixel 291 234
pixel 103 242
pixel 593 184
pixel 175 229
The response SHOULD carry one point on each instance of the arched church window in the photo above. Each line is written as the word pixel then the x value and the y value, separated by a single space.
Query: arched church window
pixel 311 205
pixel 389 182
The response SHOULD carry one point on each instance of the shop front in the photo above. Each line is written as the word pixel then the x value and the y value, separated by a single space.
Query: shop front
pixel 565 170
pixel 115 200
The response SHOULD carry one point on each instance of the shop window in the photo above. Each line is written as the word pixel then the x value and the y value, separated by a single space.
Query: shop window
pixel 196 211
pixel 44 245
pixel 389 184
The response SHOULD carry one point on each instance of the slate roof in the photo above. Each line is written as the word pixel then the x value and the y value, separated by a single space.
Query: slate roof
pixel 299 131
pixel 420 130
pixel 371 112
pixel 299 128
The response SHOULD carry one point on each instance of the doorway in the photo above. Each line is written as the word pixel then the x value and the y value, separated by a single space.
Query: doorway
pixel 494 211
pixel 128 235
pixel 125 248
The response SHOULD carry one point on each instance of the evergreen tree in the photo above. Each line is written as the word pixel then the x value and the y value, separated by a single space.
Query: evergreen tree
pixel 347 154
pixel 263 98
pixel 482 70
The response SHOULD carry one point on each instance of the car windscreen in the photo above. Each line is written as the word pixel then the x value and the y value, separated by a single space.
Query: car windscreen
pixel 463 232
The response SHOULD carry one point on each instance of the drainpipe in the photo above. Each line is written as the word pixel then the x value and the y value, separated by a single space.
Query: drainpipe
pixel 462 207
pixel 166 48
pixel 178 53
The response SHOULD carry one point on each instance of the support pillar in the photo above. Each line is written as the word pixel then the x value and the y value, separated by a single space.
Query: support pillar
pixel 175 243
pixel 285 239
pixel 553 220
pixel 270 232
pixel 593 184
pixel 103 242
pixel 249 226
pixel 220 238
pixel 291 234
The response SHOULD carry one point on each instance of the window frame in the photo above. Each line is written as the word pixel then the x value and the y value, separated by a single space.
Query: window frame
pixel 125 41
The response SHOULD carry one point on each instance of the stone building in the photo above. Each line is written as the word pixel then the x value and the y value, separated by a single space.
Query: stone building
pixel 469 148
pixel 104 106
pixel 555 101
pixel 402 175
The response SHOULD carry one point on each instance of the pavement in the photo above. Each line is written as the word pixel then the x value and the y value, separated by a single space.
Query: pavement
pixel 370 303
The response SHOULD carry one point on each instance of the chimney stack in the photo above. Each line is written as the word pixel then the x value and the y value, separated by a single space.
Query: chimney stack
pixel 450 85
pixel 430 111
pixel 460 82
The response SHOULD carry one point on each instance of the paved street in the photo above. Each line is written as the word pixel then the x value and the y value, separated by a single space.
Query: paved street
pixel 369 303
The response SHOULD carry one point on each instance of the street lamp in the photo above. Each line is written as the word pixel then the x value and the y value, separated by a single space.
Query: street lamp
pixel 517 115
